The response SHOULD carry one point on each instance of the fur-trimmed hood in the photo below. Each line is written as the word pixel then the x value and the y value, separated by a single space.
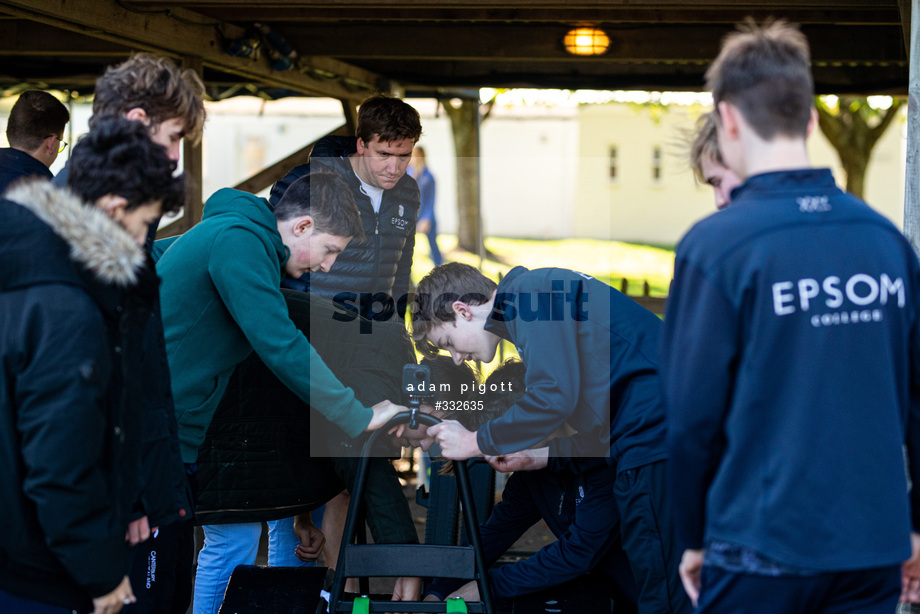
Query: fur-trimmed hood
pixel 95 241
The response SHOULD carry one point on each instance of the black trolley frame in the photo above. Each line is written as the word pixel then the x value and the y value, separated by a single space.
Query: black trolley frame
pixel 396 560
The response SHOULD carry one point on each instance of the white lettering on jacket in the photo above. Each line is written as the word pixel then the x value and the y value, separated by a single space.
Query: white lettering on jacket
pixel 860 290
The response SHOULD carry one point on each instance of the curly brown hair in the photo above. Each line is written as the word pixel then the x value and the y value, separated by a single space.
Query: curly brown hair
pixel 157 86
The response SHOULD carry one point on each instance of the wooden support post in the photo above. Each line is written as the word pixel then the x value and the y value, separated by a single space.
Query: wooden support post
pixel 912 180
pixel 465 124
pixel 193 169
pixel 193 161
pixel 350 110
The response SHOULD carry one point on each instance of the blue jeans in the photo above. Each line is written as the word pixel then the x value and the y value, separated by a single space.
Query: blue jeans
pixel 432 234
pixel 229 545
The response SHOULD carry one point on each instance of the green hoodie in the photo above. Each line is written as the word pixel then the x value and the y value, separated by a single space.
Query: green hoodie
pixel 221 300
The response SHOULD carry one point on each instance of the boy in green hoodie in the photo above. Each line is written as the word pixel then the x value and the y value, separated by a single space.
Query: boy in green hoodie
pixel 222 300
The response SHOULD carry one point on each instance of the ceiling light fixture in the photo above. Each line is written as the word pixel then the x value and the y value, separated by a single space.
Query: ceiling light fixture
pixel 586 40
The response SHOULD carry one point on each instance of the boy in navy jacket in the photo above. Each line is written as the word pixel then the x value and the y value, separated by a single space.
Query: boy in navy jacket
pixel 578 509
pixel 591 358
pixel 790 366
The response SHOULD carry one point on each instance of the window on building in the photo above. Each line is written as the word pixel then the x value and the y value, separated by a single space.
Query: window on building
pixel 614 166
pixel 656 163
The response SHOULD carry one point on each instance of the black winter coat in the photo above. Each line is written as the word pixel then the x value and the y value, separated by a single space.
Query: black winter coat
pixel 161 487
pixel 266 454
pixel 383 261
pixel 67 497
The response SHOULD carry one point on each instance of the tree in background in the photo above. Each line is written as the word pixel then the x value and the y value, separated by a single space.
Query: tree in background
pixel 853 127
pixel 466 115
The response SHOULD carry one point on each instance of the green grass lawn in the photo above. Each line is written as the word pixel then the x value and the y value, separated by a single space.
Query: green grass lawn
pixel 608 261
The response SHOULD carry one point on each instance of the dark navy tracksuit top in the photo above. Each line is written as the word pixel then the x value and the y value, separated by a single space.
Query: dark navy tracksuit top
pixel 591 355
pixel 790 365
pixel 578 509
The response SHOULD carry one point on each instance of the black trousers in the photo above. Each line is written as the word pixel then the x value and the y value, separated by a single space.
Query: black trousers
pixel 647 531
pixel 161 573
pixel 863 591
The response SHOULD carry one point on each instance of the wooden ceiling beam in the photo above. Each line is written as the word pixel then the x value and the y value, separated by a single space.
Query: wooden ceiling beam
pixel 67 82
pixel 857 80
pixel 184 33
pixel 242 14
pixel 538 43
pixel 571 5
pixel 21 37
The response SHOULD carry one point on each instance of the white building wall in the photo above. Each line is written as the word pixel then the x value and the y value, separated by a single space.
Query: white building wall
pixel 635 207
pixel 545 170
pixel 528 176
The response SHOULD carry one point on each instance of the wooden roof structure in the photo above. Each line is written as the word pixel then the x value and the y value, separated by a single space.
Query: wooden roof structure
pixel 349 48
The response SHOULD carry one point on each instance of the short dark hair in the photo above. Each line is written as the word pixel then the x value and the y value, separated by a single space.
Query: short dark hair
pixel 117 157
pixel 764 71
pixel 156 85
pixel 496 402
pixel 448 379
pixel 436 293
pixel 35 116
pixel 326 198
pixel 389 119
pixel 705 144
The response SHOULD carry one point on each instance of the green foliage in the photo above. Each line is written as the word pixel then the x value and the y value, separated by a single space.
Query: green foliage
pixel 853 126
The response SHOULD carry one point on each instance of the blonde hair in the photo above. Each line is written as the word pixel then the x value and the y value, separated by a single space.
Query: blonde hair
pixel 704 145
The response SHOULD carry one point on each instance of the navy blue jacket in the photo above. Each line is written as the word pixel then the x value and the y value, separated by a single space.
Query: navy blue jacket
pixel 383 261
pixel 580 511
pixel 426 190
pixel 790 366
pixel 592 357
pixel 15 164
